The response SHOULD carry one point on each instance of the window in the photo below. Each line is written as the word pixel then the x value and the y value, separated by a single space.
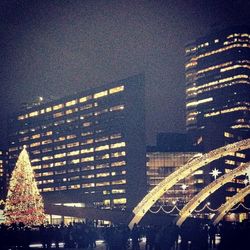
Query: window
pixel 103 147
pixel 118 164
pixel 59 106
pixel 118 182
pixel 85 98
pixel 71 103
pixel 76 152
pixel 117 108
pixel 86 159
pixel 101 184
pixel 87 150
pixel 100 94
pixel 102 174
pixel 118 154
pixel 60 155
pixel 32 114
pixel 116 89
pixel 59 114
pixel 118 145
pixel 120 201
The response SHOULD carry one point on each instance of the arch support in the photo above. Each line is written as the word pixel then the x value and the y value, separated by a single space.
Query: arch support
pixel 208 190
pixel 231 202
pixel 144 205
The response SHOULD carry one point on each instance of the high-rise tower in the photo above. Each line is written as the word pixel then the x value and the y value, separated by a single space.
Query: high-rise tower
pixel 218 94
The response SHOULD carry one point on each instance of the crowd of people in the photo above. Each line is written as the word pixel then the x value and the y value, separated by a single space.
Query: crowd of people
pixel 195 236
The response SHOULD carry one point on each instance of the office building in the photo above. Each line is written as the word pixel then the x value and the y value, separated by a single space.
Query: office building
pixel 87 148
pixel 171 152
pixel 217 96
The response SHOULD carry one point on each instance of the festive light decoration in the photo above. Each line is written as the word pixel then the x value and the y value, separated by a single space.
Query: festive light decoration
pixel 215 172
pixel 24 203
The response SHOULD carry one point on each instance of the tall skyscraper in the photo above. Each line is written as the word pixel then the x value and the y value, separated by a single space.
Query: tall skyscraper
pixel 89 147
pixel 218 96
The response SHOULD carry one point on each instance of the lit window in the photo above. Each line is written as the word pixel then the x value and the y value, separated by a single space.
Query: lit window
pixel 118 164
pixel 76 152
pixel 102 157
pixel 46 142
pixel 87 150
pixel 85 98
pixel 101 184
pixel 116 136
pixel 86 159
pixel 100 94
pixel 118 154
pixel 228 135
pixel 103 147
pixel 101 139
pixel 88 141
pixel 230 162
pixel 100 166
pixel 88 185
pixel 35 144
pixel 118 191
pixel 21 117
pixel 71 103
pixel 59 114
pixel 35 113
pixel 102 174
pixel 118 182
pixel 35 136
pixel 120 201
pixel 59 106
pixel 118 145
pixel 48 109
pixel 117 108
pixel 86 124
pixel 116 89
pixel 60 155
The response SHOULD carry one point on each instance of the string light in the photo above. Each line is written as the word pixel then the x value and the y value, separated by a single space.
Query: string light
pixel 24 203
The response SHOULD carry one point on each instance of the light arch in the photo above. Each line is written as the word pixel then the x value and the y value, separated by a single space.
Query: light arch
pixel 144 205
pixel 231 202
pixel 208 190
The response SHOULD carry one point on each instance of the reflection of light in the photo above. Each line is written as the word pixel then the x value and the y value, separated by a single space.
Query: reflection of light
pixel 173 202
pixel 208 203
pixel 184 186
pixel 40 98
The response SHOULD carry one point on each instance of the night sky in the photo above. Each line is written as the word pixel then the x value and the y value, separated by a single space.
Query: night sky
pixel 56 48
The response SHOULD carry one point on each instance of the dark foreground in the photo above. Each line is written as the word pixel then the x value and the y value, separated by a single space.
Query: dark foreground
pixel 193 236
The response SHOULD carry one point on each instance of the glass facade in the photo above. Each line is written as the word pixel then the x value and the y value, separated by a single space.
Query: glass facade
pixel 161 165
pixel 87 147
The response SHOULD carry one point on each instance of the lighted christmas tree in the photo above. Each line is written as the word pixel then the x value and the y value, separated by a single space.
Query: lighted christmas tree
pixel 24 202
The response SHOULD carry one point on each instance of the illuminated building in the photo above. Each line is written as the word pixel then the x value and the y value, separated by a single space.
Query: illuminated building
pixel 87 148
pixel 217 96
pixel 170 153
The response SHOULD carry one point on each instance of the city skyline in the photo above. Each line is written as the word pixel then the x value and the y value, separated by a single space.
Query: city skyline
pixel 51 48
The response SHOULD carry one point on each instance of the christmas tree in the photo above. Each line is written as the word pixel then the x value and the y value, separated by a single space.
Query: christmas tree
pixel 24 202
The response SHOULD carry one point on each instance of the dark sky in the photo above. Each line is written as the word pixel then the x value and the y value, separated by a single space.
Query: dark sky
pixel 55 48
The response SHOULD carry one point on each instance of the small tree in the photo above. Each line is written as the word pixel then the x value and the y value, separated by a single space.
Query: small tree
pixel 24 202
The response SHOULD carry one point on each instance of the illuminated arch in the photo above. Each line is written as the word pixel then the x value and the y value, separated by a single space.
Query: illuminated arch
pixel 231 202
pixel 208 190
pixel 144 205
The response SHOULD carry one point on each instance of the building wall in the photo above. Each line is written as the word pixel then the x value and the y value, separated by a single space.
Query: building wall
pixel 88 147
pixel 217 96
